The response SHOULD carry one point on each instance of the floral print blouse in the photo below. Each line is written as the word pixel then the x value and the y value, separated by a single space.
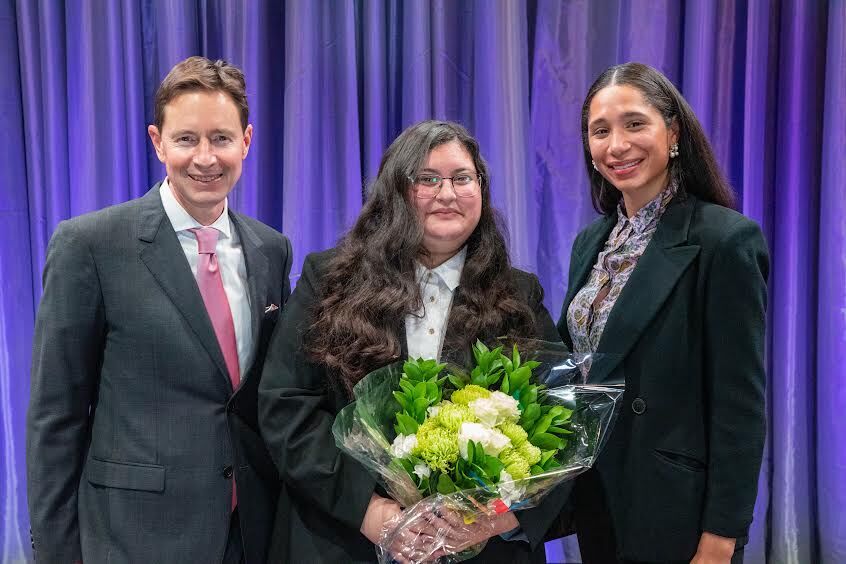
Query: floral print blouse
pixel 589 310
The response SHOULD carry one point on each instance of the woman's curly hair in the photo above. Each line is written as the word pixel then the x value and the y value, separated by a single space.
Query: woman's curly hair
pixel 369 285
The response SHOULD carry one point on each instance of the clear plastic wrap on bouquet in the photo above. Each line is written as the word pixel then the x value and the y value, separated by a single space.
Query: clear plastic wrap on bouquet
pixel 438 525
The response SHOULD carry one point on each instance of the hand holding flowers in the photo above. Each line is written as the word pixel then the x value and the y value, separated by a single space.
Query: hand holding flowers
pixel 476 445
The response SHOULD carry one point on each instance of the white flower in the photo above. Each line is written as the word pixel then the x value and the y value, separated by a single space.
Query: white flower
pixel 496 409
pixel 403 445
pixel 492 441
pixel 422 471
pixel 433 410
pixel 509 491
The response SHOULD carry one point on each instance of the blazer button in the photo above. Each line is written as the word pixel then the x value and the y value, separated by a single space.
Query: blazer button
pixel 639 406
pixel 227 472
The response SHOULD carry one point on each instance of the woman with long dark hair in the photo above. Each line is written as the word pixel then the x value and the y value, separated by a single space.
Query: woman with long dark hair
pixel 672 282
pixel 424 272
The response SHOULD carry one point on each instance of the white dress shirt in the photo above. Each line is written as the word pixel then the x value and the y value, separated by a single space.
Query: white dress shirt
pixel 230 257
pixel 424 329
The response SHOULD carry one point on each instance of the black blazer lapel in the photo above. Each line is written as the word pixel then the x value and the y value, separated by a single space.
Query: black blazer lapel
pixel 257 277
pixel 403 340
pixel 459 357
pixel 586 255
pixel 582 260
pixel 659 268
pixel 161 252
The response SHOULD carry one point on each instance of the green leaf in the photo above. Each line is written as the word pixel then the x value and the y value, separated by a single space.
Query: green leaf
pixel 420 405
pixel 479 378
pixel 480 453
pixel 479 350
pixel 542 425
pixel 563 417
pixel 515 354
pixel 471 451
pixel 545 441
pixel 520 377
pixel 445 484
pixel 546 455
pixel 406 385
pixel 503 387
pixel 535 470
pixel 559 430
pixel 406 464
pixel 492 466
pixel 530 414
pixel 459 383
pixel 419 390
pixel 407 424
pixel 402 400
pixel 551 463
pixel 530 395
pixel 412 370
pixel 493 378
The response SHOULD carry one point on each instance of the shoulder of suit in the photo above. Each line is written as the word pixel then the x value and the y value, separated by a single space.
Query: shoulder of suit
pixel 522 275
pixel 319 261
pixel 597 224
pixel 105 223
pixel 712 223
pixel 526 282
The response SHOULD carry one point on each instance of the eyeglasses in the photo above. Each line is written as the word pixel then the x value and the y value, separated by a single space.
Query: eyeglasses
pixel 465 185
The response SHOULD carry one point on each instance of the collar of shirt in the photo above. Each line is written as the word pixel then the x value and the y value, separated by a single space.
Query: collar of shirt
pixel 182 220
pixel 449 271
pixel 649 214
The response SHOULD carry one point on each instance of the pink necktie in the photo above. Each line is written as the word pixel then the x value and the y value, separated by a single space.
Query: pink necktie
pixel 217 305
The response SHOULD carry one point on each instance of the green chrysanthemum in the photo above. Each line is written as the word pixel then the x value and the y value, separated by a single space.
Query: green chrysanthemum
pixel 469 393
pixel 514 432
pixel 437 446
pixel 452 415
pixel 515 463
pixel 530 453
pixel 518 469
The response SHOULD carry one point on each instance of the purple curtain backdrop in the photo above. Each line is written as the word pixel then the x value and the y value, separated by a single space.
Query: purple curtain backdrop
pixel 332 82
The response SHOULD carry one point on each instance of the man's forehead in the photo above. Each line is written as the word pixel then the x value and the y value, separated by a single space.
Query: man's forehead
pixel 202 109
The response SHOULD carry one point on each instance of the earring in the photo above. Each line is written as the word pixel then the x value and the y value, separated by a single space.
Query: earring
pixel 594 165
pixel 674 150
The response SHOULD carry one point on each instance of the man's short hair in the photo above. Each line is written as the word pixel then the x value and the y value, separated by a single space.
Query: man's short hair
pixel 200 73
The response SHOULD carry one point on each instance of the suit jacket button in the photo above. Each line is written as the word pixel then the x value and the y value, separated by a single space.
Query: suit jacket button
pixel 227 472
pixel 639 406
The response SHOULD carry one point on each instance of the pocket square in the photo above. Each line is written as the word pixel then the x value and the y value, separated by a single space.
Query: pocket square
pixel 271 308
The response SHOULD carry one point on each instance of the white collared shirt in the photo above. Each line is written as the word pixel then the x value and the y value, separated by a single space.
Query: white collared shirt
pixel 230 257
pixel 424 330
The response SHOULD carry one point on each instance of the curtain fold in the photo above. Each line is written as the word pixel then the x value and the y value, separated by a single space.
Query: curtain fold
pixel 831 303
pixel 331 84
pixel 19 279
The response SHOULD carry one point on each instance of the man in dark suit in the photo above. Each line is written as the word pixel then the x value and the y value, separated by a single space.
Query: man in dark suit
pixel 142 440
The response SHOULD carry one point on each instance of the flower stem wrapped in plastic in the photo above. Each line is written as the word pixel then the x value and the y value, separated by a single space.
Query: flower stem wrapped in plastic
pixel 457 446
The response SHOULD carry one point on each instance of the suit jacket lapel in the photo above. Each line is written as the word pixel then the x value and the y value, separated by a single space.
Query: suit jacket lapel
pixel 403 340
pixel 665 259
pixel 161 252
pixel 583 259
pixel 458 357
pixel 257 277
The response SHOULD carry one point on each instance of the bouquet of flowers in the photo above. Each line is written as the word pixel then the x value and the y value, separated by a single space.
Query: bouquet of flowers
pixel 475 441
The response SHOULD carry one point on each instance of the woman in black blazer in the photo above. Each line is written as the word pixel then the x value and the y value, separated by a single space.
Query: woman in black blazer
pixel 672 281
pixel 424 271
